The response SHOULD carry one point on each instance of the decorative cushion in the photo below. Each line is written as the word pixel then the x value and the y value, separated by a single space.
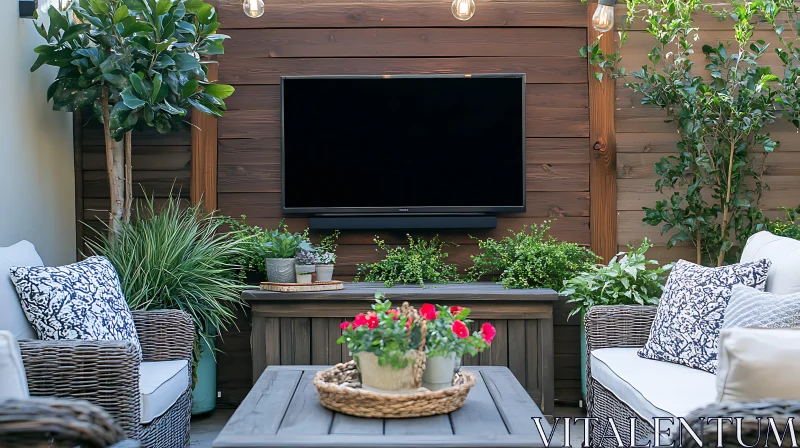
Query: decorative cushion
pixel 81 301
pixel 13 384
pixel 12 318
pixel 758 363
pixel 689 316
pixel 750 307
pixel 161 384
pixel 784 253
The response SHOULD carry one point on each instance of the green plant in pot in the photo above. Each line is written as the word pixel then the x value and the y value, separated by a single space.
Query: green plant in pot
pixel 625 280
pixel 304 265
pixel 385 344
pixel 448 339
pixel 279 247
pixel 422 261
pixel 326 257
pixel 174 258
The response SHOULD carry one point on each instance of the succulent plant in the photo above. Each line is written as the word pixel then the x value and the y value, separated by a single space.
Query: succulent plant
pixel 326 258
pixel 305 257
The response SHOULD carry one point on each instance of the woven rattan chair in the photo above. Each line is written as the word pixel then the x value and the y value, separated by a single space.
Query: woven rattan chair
pixel 623 326
pixel 58 423
pixel 106 373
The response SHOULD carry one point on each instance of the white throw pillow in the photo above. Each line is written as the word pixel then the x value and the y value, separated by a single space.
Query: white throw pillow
pixel 758 363
pixel 750 307
pixel 12 318
pixel 13 383
pixel 784 277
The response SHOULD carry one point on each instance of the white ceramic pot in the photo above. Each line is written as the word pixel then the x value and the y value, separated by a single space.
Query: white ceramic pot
pixel 439 371
pixel 304 278
pixel 280 270
pixel 324 272
pixel 384 378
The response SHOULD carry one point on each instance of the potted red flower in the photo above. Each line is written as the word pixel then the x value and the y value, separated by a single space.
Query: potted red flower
pixel 448 339
pixel 385 346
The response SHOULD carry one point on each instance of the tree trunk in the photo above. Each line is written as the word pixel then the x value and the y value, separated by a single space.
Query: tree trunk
pixel 115 165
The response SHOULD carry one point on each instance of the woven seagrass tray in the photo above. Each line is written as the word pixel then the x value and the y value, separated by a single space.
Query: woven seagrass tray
pixel 340 390
pixel 302 287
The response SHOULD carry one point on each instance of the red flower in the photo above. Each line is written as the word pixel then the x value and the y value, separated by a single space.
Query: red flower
pixel 344 325
pixel 488 332
pixel 428 311
pixel 372 320
pixel 460 329
pixel 360 320
pixel 408 323
pixel 394 312
pixel 455 309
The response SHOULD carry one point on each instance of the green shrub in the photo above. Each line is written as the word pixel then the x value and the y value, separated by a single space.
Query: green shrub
pixel 259 244
pixel 624 281
pixel 423 261
pixel 531 259
pixel 788 226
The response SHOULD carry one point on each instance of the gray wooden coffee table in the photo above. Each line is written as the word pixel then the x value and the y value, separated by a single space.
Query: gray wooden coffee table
pixel 283 409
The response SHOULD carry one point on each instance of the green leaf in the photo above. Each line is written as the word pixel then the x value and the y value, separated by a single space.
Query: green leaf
pixel 189 88
pixel 220 91
pixel 100 6
pixel 156 87
pixel 121 13
pixel 186 62
pixel 138 86
pixel 169 108
pixel 163 7
pixel 58 22
pixel 131 100
pixel 67 96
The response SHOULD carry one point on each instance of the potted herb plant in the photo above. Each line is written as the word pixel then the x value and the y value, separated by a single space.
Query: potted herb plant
pixel 279 247
pixel 448 339
pixel 385 345
pixel 326 257
pixel 625 280
pixel 304 265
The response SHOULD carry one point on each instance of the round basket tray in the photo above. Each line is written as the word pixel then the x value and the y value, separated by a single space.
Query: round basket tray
pixel 340 390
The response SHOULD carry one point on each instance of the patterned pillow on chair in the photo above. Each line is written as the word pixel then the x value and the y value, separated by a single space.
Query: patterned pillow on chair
pixel 81 301
pixel 687 323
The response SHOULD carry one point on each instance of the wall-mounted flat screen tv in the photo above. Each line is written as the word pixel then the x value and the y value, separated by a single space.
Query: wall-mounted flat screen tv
pixel 427 144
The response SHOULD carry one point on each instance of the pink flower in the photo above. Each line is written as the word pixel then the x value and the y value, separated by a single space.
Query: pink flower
pixel 360 320
pixel 488 332
pixel 344 325
pixel 428 311
pixel 460 329
pixel 372 320
pixel 455 309
pixel 395 313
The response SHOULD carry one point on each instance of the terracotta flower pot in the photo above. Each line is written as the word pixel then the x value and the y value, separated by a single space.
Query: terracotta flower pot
pixel 280 270
pixel 324 272
pixel 439 371
pixel 384 378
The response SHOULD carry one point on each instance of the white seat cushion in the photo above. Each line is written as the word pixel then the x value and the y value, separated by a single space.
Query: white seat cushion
pixel 161 384
pixel 652 388
pixel 12 318
pixel 13 384
pixel 785 256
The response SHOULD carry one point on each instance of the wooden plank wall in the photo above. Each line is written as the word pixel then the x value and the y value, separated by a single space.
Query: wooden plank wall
pixel 538 38
pixel 643 138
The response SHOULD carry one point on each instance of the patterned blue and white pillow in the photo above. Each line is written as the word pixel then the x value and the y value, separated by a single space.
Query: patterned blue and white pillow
pixel 81 301
pixel 690 314
pixel 750 307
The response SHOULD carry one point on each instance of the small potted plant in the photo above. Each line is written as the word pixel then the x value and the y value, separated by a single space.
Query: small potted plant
pixel 385 345
pixel 448 339
pixel 304 265
pixel 279 248
pixel 326 257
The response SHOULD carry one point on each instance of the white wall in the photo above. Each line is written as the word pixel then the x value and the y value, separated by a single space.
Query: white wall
pixel 37 184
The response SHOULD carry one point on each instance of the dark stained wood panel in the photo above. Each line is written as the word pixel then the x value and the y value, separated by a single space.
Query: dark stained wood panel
pixel 415 14
pixel 400 42
pixel 159 183
pixel 268 70
pixel 145 158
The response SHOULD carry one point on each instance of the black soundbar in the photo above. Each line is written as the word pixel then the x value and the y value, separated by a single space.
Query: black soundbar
pixel 401 222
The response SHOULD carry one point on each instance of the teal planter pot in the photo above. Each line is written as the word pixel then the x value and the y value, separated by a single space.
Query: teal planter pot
pixel 204 394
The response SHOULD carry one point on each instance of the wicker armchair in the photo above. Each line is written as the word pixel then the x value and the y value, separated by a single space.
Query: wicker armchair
pixel 106 373
pixel 629 326
pixel 58 423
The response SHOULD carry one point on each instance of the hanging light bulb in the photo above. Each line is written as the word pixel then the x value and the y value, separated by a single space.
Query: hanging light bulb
pixel 463 9
pixel 63 5
pixel 253 8
pixel 603 18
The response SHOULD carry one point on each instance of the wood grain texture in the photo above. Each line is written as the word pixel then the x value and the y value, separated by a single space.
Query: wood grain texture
pixel 204 153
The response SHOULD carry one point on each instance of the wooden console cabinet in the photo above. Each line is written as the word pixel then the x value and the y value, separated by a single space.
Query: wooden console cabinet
pixel 302 328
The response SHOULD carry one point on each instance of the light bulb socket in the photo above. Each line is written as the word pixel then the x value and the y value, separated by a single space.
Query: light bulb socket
pixel 607 2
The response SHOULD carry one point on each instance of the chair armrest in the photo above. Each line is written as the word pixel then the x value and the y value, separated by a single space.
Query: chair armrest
pixel 105 373
pixel 165 335
pixel 614 326
pixel 783 412
pixel 58 422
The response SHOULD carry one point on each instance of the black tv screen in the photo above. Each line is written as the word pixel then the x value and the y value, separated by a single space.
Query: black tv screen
pixel 403 144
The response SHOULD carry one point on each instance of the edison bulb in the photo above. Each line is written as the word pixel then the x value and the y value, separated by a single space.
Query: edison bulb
pixel 463 9
pixel 603 18
pixel 253 8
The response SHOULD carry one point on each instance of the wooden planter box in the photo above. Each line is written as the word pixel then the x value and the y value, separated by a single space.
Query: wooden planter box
pixel 302 328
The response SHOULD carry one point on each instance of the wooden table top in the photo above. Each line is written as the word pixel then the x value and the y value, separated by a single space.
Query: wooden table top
pixel 398 293
pixel 283 409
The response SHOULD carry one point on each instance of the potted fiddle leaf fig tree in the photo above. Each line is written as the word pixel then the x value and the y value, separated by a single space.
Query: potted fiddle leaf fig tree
pixel 136 64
